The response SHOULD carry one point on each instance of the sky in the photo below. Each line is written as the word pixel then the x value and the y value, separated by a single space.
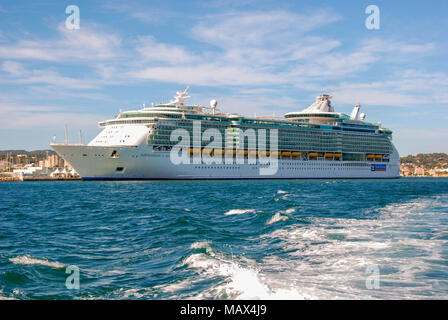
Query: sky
pixel 253 57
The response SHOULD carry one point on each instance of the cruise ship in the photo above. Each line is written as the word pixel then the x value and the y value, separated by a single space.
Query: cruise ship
pixel 176 140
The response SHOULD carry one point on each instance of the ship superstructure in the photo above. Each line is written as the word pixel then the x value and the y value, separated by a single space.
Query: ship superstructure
pixel 314 143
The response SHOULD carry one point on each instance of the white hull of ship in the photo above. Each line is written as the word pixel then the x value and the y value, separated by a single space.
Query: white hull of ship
pixel 133 163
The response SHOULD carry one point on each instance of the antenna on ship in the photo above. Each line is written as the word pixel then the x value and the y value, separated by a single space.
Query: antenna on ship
pixel 80 137
pixel 213 104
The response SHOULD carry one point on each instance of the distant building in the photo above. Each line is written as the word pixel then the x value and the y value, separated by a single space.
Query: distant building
pixel 406 170
pixel 28 170
pixel 419 171
pixel 3 164
pixel 53 161
pixel 438 172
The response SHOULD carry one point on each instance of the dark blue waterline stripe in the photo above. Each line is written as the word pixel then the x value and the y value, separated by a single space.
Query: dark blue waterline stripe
pixel 184 179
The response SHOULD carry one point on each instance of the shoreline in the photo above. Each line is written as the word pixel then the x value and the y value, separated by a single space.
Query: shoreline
pixel 16 179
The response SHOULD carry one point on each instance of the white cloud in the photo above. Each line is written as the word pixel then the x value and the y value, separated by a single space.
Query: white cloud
pixel 37 116
pixel 207 75
pixel 393 46
pixel 85 44
pixel 383 97
pixel 19 74
pixel 252 29
pixel 153 51
pixel 13 68
pixel 20 108
pixel 251 105
pixel 141 12
pixel 408 87
pixel 245 50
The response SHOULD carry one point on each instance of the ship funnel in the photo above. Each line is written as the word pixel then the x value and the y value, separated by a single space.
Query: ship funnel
pixel 354 115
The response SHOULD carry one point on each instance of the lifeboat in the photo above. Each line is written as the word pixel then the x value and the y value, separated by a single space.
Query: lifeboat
pixel 195 151
pixel 240 152
pixel 370 156
pixel 253 152
pixel 329 155
pixel 296 154
pixel 312 154
pixel 286 153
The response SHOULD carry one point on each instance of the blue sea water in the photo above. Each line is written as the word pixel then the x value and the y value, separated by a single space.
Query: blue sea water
pixel 278 239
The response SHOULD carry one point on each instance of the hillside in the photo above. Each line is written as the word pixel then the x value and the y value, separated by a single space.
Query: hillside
pixel 427 160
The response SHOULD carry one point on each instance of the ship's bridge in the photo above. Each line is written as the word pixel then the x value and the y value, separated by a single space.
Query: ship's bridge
pixel 321 111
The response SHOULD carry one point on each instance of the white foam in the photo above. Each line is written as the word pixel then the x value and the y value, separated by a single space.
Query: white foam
pixel 240 282
pixel 28 260
pixel 174 287
pixel 329 257
pixel 135 293
pixel 281 216
pixel 3 297
pixel 239 211
pixel 281 192
pixel 202 245
pixel 276 218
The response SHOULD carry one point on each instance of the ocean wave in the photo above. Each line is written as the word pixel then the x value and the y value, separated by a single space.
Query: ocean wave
pixel 240 281
pixel 338 251
pixel 29 260
pixel 281 216
pixel 202 245
pixel 3 297
pixel 239 211
pixel 174 287
pixel 276 218
pixel 135 293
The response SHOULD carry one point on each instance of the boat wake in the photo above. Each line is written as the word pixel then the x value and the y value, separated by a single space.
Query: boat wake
pixel 240 278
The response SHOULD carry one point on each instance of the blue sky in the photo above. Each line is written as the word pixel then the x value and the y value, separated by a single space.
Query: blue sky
pixel 254 57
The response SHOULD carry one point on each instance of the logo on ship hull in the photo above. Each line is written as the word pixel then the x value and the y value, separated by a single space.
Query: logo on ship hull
pixel 378 167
